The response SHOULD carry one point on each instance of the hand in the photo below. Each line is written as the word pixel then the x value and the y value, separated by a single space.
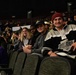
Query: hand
pixel 50 53
pixel 73 46
pixel 27 48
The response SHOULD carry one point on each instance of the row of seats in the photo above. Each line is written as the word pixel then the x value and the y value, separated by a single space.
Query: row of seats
pixel 33 64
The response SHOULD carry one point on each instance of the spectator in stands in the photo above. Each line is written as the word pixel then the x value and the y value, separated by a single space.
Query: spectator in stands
pixel 61 41
pixel 24 38
pixel 51 26
pixel 7 37
pixel 65 20
pixel 4 35
pixel 3 52
pixel 14 36
pixel 71 20
pixel 7 34
pixel 15 40
pixel 41 28
pixel 47 24
pixel 35 34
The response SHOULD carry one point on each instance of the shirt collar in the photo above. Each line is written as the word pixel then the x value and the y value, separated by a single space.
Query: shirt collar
pixel 65 26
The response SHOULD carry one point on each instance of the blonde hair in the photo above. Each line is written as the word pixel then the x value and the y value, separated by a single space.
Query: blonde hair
pixel 28 36
pixel 12 38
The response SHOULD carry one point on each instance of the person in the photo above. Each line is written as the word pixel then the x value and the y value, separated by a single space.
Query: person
pixel 61 41
pixel 3 52
pixel 41 28
pixel 14 40
pixel 23 39
pixel 35 34
pixel 47 24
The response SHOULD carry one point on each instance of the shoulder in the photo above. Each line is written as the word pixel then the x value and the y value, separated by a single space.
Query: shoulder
pixel 49 34
pixel 72 26
pixel 39 36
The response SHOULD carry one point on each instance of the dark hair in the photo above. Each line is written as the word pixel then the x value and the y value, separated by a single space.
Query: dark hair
pixel 1 40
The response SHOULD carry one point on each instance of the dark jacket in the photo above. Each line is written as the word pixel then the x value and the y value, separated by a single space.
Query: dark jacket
pixel 61 41
pixel 39 43
pixel 3 56
pixel 33 38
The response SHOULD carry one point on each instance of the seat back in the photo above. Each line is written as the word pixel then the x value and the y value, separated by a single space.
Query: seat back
pixel 19 63
pixel 3 73
pixel 12 59
pixel 54 66
pixel 31 65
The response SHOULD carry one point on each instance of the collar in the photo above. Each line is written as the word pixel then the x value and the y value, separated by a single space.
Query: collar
pixel 65 26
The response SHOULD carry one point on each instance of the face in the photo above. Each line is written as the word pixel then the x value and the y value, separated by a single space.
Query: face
pixel 24 31
pixel 14 35
pixel 41 28
pixel 32 29
pixel 58 22
pixel 47 26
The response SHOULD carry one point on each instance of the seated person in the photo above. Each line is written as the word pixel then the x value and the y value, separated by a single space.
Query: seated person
pixel 41 28
pixel 3 53
pixel 62 41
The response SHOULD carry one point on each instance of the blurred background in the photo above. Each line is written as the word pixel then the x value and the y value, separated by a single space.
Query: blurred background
pixel 23 8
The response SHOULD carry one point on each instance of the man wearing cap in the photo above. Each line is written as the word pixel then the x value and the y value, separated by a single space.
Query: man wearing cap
pixel 62 40
pixel 41 28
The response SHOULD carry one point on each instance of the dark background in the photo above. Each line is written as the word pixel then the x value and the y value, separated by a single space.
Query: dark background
pixel 38 7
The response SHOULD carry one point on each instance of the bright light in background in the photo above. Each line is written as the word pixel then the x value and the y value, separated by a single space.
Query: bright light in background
pixel 13 16
pixel 29 14
pixel 69 3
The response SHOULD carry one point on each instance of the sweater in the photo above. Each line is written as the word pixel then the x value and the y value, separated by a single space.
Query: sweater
pixel 60 41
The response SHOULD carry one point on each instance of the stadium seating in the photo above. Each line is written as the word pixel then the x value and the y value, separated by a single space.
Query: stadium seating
pixel 31 65
pixel 54 66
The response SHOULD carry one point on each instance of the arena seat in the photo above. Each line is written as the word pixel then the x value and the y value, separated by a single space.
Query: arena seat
pixel 54 66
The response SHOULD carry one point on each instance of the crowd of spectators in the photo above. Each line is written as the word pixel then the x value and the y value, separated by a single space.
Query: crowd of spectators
pixel 40 38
